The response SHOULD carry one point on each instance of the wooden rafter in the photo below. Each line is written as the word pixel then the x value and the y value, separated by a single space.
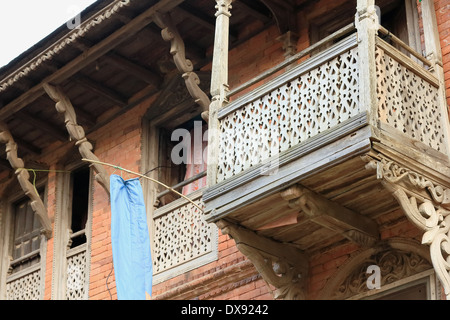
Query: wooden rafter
pixel 23 177
pixel 43 125
pixel 133 68
pixel 86 58
pixel 329 214
pixel 101 90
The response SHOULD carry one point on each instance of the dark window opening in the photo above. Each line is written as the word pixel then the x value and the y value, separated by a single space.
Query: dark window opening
pixel 80 205
pixel 182 158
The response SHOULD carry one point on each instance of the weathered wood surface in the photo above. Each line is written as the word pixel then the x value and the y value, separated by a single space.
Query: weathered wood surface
pixel 76 132
pixel 23 177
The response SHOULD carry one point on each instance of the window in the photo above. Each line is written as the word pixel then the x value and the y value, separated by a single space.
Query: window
pixel 72 231
pixel 26 238
pixel 25 245
pixel 174 153
pixel 423 286
pixel 79 203
pixel 183 160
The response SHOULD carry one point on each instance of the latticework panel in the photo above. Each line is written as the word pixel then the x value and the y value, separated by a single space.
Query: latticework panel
pixel 180 235
pixel 284 116
pixel 76 277
pixel 407 102
pixel 27 287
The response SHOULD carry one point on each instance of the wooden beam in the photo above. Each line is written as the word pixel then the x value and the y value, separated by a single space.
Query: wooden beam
pixel 133 68
pixel 254 12
pixel 89 56
pixel 331 215
pixel 101 90
pixel 26 146
pixel 42 125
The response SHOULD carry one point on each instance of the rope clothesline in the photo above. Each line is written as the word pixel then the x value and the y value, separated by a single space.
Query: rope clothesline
pixel 145 177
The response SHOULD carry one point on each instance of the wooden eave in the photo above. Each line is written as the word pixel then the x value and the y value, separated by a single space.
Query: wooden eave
pixel 117 62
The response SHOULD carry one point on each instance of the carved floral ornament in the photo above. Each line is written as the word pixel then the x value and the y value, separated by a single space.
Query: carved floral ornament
pixel 427 205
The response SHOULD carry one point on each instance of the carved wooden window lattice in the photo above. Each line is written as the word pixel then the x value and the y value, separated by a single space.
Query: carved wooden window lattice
pixel 181 236
pixel 76 275
pixel 407 102
pixel 27 287
pixel 24 280
pixel 289 114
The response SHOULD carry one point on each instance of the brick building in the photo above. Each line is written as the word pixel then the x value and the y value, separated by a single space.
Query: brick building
pixel 326 174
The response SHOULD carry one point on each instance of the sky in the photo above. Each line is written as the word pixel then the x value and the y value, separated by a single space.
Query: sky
pixel 24 22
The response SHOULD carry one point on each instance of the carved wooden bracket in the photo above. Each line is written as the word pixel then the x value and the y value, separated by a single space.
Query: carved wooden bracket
pixel 284 13
pixel 331 215
pixel 23 177
pixel 280 265
pixel 185 67
pixel 76 132
pixel 427 205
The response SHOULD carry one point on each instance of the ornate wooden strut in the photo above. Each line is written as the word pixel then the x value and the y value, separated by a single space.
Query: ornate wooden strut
pixel 426 204
pixel 23 177
pixel 185 67
pixel 281 266
pixel 64 106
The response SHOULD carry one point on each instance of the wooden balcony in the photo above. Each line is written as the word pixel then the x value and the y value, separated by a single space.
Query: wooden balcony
pixel 308 134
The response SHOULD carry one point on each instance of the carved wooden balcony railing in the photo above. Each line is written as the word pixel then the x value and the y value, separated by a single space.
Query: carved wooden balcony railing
pixel 323 94
pixel 26 284
pixel 182 240
pixel 408 97
pixel 77 272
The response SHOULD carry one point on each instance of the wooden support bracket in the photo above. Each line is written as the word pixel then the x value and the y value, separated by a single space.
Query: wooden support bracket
pixel 426 204
pixel 23 177
pixel 76 132
pixel 354 226
pixel 185 67
pixel 281 265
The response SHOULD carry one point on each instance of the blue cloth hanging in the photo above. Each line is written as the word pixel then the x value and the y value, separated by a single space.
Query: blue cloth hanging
pixel 130 239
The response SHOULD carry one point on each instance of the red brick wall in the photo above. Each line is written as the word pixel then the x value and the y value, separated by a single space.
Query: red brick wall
pixel 442 8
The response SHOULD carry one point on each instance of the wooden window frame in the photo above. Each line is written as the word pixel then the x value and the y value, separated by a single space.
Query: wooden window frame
pixel 63 220
pixel 7 212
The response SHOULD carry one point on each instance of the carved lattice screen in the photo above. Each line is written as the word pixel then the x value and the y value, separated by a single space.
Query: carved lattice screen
pixel 76 285
pixel 288 112
pixel 25 287
pixel 408 102
pixel 182 239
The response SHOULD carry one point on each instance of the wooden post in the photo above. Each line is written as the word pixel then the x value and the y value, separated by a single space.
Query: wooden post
pixel 219 85
pixel 366 22
pixel 434 54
